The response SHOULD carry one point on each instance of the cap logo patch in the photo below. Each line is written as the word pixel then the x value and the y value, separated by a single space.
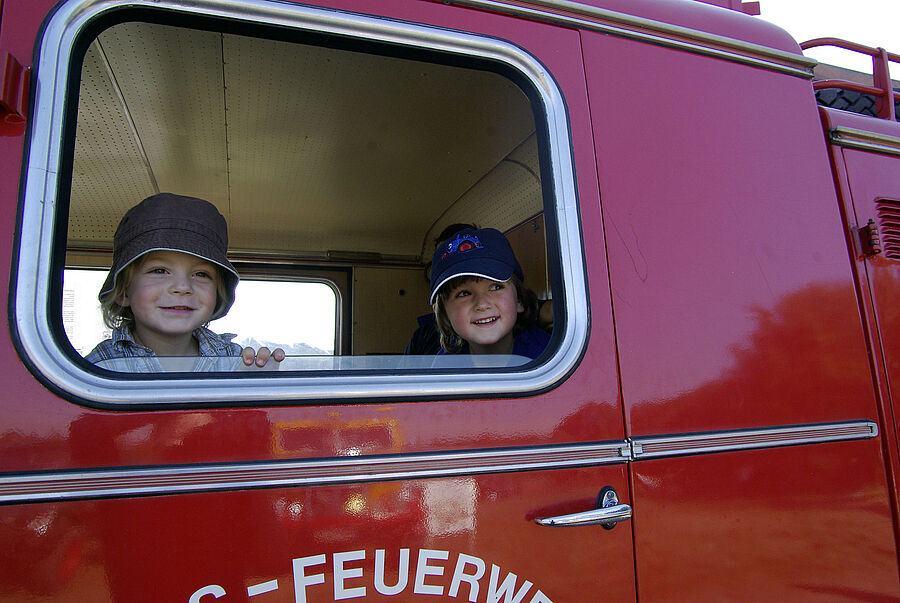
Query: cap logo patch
pixel 462 242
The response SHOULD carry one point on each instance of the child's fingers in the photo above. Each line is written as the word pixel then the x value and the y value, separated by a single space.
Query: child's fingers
pixel 262 356
pixel 248 355
pixel 259 359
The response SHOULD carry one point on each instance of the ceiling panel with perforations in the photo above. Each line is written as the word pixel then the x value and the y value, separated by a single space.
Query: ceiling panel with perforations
pixel 304 149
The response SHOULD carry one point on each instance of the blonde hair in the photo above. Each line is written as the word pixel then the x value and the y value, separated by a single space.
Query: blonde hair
pixel 116 315
pixel 450 339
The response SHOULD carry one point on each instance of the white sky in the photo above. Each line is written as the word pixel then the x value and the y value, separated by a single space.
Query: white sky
pixel 874 23
pixel 282 313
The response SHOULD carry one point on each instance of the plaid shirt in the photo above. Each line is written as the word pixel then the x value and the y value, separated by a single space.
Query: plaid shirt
pixel 122 345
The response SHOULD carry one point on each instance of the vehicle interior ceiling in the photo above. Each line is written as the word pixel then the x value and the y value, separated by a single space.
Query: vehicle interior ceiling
pixel 316 156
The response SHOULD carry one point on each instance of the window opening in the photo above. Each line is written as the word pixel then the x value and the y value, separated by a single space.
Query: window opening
pixel 331 141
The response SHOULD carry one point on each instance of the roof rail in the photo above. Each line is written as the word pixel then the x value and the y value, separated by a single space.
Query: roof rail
pixel 881 75
pixel 750 7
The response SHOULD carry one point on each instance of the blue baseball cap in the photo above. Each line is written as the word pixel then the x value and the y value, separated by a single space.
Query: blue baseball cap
pixel 484 253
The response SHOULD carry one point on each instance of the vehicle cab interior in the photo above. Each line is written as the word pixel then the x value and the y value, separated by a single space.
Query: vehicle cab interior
pixel 336 163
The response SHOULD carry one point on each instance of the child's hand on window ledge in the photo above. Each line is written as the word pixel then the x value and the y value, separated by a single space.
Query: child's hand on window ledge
pixel 259 358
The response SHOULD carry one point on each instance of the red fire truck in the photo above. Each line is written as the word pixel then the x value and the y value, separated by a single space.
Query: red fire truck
pixel 713 418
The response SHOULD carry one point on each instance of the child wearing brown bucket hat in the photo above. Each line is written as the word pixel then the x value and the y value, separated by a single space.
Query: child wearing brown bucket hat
pixel 169 278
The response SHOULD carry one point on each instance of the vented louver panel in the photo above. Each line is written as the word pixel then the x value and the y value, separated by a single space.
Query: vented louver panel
pixel 889 225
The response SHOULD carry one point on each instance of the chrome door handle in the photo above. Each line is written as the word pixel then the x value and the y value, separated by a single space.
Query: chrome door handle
pixel 604 517
pixel 608 513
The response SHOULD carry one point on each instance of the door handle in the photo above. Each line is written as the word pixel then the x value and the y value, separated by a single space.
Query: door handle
pixel 607 514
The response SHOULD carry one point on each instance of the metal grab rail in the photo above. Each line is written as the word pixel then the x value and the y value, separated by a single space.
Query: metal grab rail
pixel 881 74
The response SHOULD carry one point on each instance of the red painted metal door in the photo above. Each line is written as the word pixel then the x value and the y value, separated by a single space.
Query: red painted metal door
pixel 395 501
pixel 866 152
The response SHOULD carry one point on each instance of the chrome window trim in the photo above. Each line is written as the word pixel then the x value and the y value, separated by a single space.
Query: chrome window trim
pixel 655 32
pixel 854 138
pixel 32 281
pixel 100 483
pixel 726 441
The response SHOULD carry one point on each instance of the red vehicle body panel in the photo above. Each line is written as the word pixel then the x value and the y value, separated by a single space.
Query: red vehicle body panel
pixel 776 341
pixel 763 320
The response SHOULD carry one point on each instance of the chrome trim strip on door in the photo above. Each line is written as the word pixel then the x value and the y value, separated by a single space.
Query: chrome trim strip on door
pixel 866 141
pixel 655 32
pixel 143 481
pixel 155 481
pixel 654 447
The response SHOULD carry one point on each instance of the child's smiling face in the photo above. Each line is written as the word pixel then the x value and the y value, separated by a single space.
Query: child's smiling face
pixel 171 294
pixel 483 312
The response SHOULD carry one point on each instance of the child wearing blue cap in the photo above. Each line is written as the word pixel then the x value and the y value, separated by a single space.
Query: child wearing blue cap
pixel 480 302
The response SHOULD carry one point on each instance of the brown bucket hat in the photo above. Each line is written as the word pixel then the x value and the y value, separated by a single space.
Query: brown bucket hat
pixel 170 222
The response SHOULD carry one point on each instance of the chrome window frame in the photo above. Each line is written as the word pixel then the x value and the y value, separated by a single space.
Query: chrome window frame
pixel 49 359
